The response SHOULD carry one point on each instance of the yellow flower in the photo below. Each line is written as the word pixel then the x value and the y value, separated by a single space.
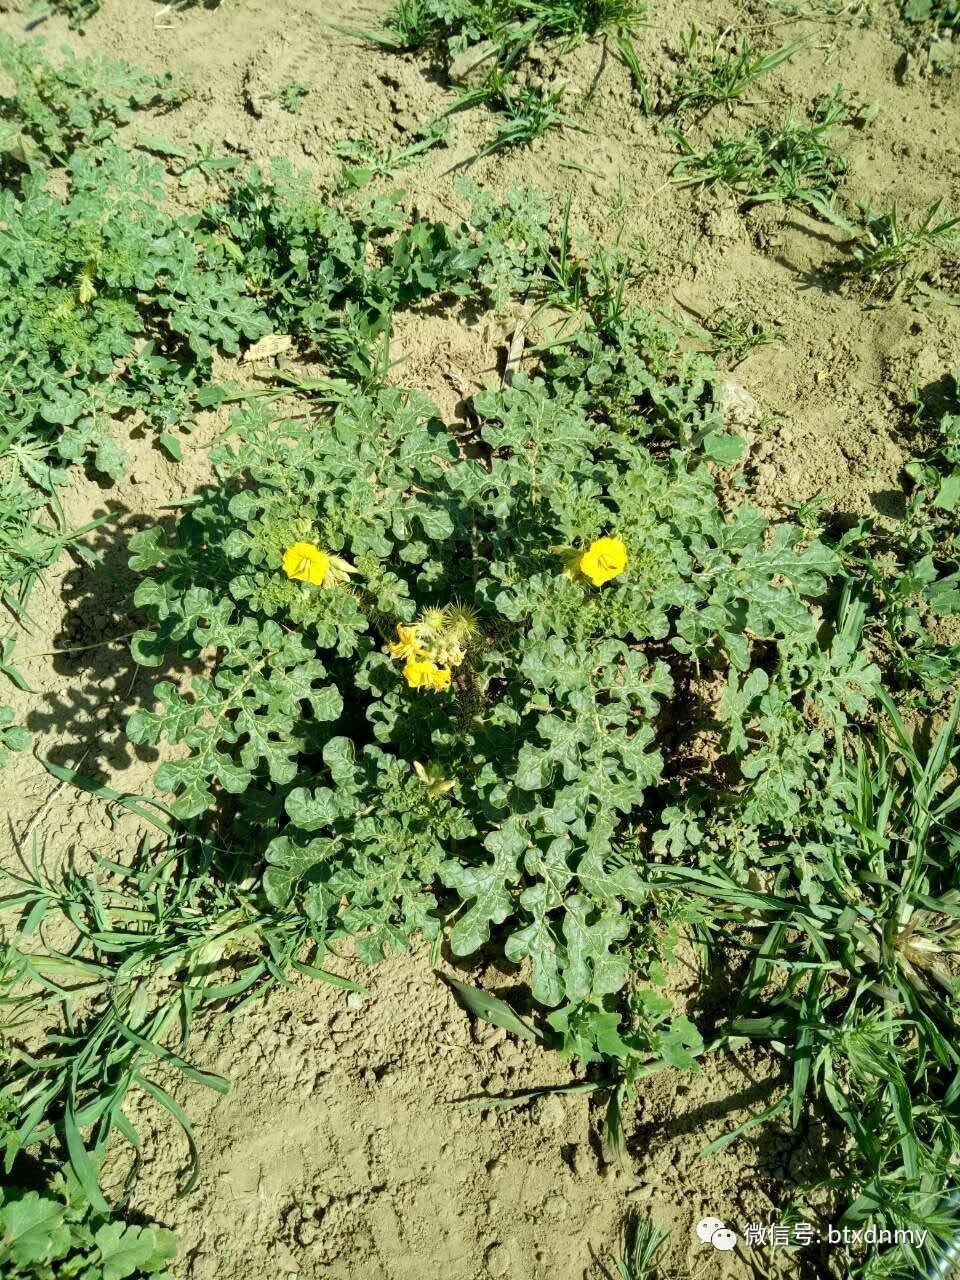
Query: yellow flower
pixel 424 674
pixel 439 635
pixel 408 643
pixel 603 560
pixel 86 289
pixel 306 563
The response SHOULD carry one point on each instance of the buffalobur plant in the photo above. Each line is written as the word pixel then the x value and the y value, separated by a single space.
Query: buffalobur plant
pixel 53 111
pixel 537 690
pixel 106 292
pixel 12 736
pixel 54 1234
pixel 446 694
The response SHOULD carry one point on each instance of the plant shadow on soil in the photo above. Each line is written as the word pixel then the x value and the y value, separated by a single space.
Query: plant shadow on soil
pixel 783 1158
pixel 101 684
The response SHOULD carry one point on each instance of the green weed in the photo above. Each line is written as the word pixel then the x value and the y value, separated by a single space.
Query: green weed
pixel 56 1232
pixel 894 258
pixel 12 736
pixel 712 73
pixel 291 97
pixel 852 936
pixel 836 107
pixel 796 163
pixel 53 111
pixel 913 571
pixel 733 337
pixel 527 115
pixel 644 1240
pixel 499 611
pixel 794 801
pixel 937 471
pixel 553 694
pixel 77 12
pixel 502 34
pixel 417 24
pixel 938 14
pixel 91 279
pixel 364 161
pixel 157 943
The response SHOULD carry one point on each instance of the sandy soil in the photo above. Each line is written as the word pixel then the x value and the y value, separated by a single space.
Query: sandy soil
pixel 342 1150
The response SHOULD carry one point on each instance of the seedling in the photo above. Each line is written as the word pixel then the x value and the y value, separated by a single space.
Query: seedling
pixel 796 163
pixel 503 33
pixel 644 1241
pixel 836 108
pixel 528 115
pixel 734 336
pixel 893 257
pixel 291 97
pixel 364 161
pixel 13 737
pixel 712 73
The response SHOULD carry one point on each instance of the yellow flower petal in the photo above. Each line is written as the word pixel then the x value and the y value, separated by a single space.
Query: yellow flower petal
pixel 604 559
pixel 424 674
pixel 407 645
pixel 303 562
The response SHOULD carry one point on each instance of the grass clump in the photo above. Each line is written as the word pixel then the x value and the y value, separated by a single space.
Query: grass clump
pixel 644 1241
pixel 850 952
pixel 896 258
pixel 733 336
pixel 796 163
pixel 712 73
pixel 486 45
pixel 156 944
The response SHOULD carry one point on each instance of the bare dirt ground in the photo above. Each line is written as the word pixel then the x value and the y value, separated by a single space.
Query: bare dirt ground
pixel 342 1150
